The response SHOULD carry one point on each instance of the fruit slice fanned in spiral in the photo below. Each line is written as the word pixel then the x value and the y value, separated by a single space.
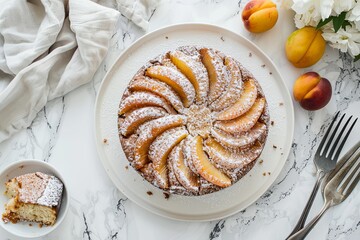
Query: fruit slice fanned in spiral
pixel 195 71
pixel 139 116
pixel 246 121
pixel 148 134
pixel 231 159
pixel 183 173
pixel 204 167
pixel 230 96
pixel 158 88
pixel 193 121
pixel 143 99
pixel 160 149
pixel 176 80
pixel 218 76
pixel 243 104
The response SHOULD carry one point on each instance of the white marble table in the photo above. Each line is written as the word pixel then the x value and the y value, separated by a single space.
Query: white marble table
pixel 63 135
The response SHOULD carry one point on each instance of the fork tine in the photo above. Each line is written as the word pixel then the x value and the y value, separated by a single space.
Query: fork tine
pixel 353 184
pixel 332 136
pixel 332 150
pixel 349 178
pixel 326 134
pixel 341 172
pixel 344 140
pixel 353 160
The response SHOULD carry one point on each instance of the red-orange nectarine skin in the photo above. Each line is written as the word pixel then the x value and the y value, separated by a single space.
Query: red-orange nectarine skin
pixel 318 97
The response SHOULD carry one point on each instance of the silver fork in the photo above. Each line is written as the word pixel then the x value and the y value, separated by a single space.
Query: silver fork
pixel 336 191
pixel 325 162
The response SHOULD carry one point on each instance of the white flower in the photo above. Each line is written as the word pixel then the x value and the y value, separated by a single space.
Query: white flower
pixel 354 15
pixel 318 8
pixel 340 6
pixel 306 19
pixel 346 40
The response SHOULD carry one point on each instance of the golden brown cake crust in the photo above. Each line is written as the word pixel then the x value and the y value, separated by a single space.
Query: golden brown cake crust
pixel 217 99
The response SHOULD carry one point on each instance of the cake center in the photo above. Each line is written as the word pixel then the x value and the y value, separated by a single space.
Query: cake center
pixel 199 120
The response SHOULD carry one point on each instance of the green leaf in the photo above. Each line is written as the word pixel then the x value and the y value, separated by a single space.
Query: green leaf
pixel 324 22
pixel 339 21
pixel 345 23
pixel 357 58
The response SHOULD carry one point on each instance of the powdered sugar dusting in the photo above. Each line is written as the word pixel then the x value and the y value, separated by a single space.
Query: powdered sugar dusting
pixel 176 80
pixel 159 88
pixel 162 145
pixel 139 116
pixel 245 122
pixel 218 75
pixel 233 92
pixel 243 139
pixel 52 194
pixel 192 67
pixel 143 99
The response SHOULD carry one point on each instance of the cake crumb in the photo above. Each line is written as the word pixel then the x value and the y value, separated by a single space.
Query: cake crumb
pixel 166 37
pixel 222 39
pixel 272 123
pixel 270 73
pixel 126 167
pixel 269 173
pixel 166 195
pixel 250 54
pixel 261 161
pixel 263 65
pixel 30 225
pixel 274 146
pixel 281 104
pixel 21 167
pixel 264 173
pixel 282 153
pixel 105 141
pixel 40 225
pixel 149 193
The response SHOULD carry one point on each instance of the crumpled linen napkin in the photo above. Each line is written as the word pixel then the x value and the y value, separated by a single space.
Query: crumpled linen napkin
pixel 48 48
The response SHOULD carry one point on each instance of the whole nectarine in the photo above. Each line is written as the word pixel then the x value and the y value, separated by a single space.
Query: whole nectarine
pixel 305 46
pixel 312 91
pixel 259 15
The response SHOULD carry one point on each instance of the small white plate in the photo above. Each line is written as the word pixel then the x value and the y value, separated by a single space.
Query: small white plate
pixel 22 229
pixel 215 205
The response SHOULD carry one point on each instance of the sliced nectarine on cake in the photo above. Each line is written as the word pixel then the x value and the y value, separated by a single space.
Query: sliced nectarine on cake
pixel 174 79
pixel 158 88
pixel 246 121
pixel 240 140
pixel 194 70
pixel 139 116
pixel 183 173
pixel 149 131
pixel 160 149
pixel 231 159
pixel 218 76
pixel 204 167
pixel 143 99
pixel 234 89
pixel 243 104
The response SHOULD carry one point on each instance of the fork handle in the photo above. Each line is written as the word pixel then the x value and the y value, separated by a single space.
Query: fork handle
pixel 300 224
pixel 300 235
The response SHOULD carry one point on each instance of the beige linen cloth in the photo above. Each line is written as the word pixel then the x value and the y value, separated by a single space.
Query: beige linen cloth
pixel 48 48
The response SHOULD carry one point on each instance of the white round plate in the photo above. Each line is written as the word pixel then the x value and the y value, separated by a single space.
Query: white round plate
pixel 22 229
pixel 215 205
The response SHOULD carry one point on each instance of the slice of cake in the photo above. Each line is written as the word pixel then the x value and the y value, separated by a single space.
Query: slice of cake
pixel 34 197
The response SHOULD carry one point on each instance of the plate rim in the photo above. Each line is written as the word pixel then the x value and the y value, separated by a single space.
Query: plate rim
pixel 286 95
